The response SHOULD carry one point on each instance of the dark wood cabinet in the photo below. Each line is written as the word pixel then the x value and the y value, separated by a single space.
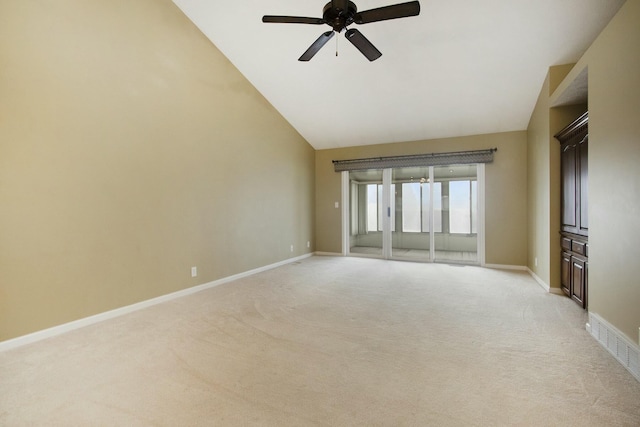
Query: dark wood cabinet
pixel 578 280
pixel 574 146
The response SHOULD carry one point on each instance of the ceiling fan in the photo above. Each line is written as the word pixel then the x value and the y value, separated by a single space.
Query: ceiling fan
pixel 339 14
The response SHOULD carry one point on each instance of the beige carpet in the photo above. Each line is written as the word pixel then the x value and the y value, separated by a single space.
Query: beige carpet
pixel 331 341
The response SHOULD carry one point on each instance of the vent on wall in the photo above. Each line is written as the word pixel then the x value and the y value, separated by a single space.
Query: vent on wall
pixel 627 353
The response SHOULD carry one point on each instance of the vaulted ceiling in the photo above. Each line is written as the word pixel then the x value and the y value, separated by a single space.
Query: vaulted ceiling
pixel 459 68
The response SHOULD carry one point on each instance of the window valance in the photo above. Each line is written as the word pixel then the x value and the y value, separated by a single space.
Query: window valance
pixel 415 160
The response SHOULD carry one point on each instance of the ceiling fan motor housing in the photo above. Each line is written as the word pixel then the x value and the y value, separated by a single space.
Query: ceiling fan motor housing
pixel 339 18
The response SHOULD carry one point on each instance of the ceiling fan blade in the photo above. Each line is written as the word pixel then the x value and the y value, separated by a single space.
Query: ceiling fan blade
pixel 401 10
pixel 292 20
pixel 363 44
pixel 316 46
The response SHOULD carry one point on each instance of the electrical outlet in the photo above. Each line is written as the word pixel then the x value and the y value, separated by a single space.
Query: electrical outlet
pixel 194 271
pixel 337 205
pixel 291 248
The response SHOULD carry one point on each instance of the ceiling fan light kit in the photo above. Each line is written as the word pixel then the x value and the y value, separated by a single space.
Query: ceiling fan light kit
pixel 339 14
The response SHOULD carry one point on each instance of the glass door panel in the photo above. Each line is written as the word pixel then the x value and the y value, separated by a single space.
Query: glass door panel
pixel 410 195
pixel 456 240
pixel 366 212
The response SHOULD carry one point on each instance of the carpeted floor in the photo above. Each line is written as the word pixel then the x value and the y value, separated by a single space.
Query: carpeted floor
pixel 331 341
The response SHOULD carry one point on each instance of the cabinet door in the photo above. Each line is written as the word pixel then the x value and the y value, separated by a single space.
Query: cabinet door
pixel 565 278
pixel 583 183
pixel 569 199
pixel 578 277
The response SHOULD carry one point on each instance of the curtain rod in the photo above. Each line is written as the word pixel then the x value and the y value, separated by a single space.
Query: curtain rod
pixel 413 160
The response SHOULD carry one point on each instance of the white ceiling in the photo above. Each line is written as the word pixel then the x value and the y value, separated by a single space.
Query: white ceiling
pixel 459 68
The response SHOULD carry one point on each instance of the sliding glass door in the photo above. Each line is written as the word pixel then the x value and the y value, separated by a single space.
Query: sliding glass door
pixel 366 212
pixel 457 236
pixel 410 238
pixel 416 213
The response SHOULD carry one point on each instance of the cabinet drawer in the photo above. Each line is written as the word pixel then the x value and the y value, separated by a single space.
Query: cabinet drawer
pixel 579 247
pixel 566 243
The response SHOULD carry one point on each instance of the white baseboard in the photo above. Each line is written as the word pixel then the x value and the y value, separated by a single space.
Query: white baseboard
pixel 535 277
pixel 538 280
pixel 80 323
pixel 545 286
pixel 625 351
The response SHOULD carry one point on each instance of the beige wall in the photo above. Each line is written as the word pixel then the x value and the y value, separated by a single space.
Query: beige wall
pixel 614 182
pixel 543 180
pixel 506 201
pixel 613 63
pixel 539 188
pixel 131 150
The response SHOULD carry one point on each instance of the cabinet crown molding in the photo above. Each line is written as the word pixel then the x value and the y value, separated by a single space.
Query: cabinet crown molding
pixel 579 127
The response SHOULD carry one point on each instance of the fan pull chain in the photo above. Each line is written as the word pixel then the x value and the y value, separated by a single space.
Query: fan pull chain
pixel 337 45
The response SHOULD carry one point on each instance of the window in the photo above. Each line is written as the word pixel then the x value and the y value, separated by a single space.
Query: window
pixel 437 207
pixel 455 207
pixel 462 206
pixel 415 207
pixel 375 208
pixel 372 207
pixel 474 207
pixel 411 207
